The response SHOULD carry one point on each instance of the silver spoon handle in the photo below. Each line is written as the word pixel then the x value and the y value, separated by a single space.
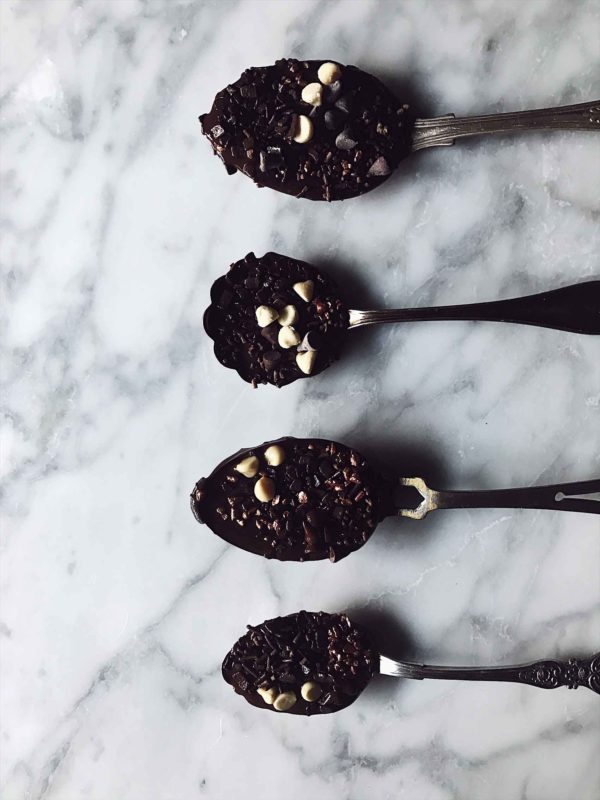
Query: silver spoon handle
pixel 547 674
pixel 440 131
pixel 582 496
pixel 573 308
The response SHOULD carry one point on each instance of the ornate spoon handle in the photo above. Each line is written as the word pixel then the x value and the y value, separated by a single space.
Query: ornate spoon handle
pixel 582 496
pixel 547 674
pixel 573 308
pixel 440 131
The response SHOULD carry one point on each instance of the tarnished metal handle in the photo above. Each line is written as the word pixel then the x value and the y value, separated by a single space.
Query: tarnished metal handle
pixel 443 131
pixel 573 308
pixel 547 674
pixel 583 496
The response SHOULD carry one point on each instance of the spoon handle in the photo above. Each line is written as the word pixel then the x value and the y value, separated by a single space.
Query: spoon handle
pixel 546 674
pixel 558 497
pixel 573 308
pixel 440 131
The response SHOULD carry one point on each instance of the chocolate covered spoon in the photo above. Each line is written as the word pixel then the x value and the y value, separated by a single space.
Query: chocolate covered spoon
pixel 311 499
pixel 316 663
pixel 276 319
pixel 327 132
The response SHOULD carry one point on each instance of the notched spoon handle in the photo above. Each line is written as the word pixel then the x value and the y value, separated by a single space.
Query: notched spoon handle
pixel 583 496
pixel 546 674
pixel 573 308
pixel 442 131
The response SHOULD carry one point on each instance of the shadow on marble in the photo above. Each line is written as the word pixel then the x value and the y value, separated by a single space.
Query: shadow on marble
pixel 392 638
pixel 355 290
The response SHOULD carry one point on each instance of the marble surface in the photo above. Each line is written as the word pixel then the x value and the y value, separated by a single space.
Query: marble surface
pixel 117 608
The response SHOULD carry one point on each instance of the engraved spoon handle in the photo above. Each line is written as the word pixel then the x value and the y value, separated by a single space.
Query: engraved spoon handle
pixel 546 674
pixel 440 131
pixel 573 308
pixel 583 496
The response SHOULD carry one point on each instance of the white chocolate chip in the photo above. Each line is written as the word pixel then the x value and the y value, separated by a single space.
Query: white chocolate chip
pixel 264 490
pixel 248 466
pixel 268 695
pixel 284 701
pixel 274 455
pixel 288 337
pixel 329 73
pixel 305 289
pixel 310 691
pixel 288 315
pixel 304 130
pixel 265 315
pixel 306 361
pixel 313 94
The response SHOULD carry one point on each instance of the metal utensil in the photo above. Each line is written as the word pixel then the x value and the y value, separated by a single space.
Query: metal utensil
pixel 321 322
pixel 314 663
pixel 546 674
pixel 443 131
pixel 326 499
pixel 573 308
pixel 581 496
pixel 288 127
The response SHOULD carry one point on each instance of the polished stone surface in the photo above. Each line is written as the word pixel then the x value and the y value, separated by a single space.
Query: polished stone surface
pixel 117 608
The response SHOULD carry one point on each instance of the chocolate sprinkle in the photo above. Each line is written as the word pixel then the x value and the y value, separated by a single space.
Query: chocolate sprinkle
pixel 286 652
pixel 327 504
pixel 254 352
pixel 358 116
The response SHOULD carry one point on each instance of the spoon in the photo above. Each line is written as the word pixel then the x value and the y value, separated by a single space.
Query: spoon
pixel 276 319
pixel 311 499
pixel 317 663
pixel 329 132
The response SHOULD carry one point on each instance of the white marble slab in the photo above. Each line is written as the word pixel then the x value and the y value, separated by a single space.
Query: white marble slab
pixel 117 608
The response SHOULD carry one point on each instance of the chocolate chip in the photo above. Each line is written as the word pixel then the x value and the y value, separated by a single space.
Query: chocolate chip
pixel 310 538
pixel 326 469
pixel 267 161
pixel 344 104
pixel 333 120
pixel 240 681
pixel 379 168
pixel 270 333
pixel 293 126
pixel 311 341
pixel 248 91
pixel 315 519
pixel 345 141
pixel 271 359
pixel 334 90
pixel 225 298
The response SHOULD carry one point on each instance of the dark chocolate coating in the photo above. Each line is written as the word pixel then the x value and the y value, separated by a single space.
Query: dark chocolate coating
pixel 254 352
pixel 285 652
pixel 361 132
pixel 328 501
